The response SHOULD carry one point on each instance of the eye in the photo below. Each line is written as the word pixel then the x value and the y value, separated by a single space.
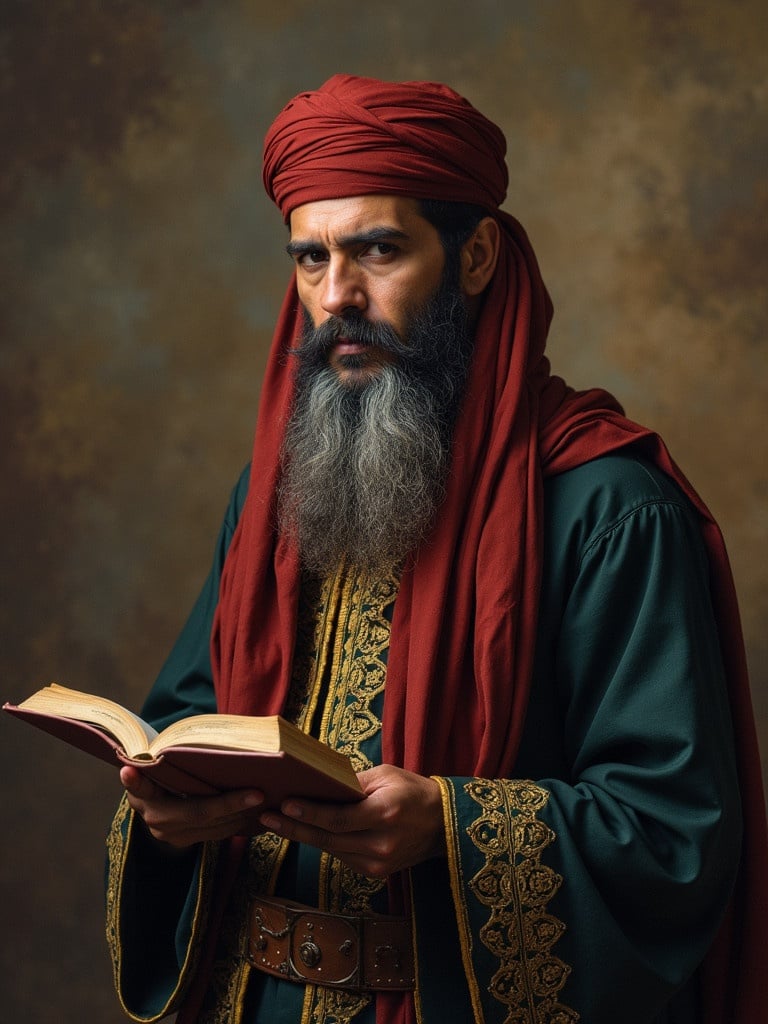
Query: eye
pixel 381 250
pixel 314 256
pixel 311 258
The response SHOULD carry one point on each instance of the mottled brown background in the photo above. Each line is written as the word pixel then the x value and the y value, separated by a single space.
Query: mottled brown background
pixel 141 270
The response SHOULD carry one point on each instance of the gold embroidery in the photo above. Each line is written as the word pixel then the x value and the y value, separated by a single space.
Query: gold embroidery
pixel 354 633
pixel 265 855
pixel 339 670
pixel 334 1006
pixel 517 888
pixel 358 669
pixel 116 853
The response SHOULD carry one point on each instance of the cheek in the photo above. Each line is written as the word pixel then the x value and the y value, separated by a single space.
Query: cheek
pixel 394 304
pixel 311 306
pixel 399 304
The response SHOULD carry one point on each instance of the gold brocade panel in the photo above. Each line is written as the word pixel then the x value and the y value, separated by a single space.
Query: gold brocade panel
pixel 337 691
pixel 516 887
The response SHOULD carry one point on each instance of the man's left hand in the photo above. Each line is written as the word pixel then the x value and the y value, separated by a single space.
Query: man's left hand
pixel 399 824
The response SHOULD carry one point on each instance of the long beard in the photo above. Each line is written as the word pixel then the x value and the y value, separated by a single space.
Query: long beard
pixel 365 467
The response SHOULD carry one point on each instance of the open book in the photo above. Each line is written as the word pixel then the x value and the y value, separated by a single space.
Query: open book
pixel 200 755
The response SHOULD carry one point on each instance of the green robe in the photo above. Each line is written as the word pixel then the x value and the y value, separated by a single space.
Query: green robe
pixel 588 887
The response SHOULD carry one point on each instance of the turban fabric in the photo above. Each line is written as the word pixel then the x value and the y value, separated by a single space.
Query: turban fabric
pixel 353 135
pixel 464 623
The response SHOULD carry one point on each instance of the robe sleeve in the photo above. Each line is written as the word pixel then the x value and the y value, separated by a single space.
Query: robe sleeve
pixel 593 894
pixel 157 909
pixel 158 900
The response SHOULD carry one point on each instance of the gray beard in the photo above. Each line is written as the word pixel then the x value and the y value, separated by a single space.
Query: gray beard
pixel 365 466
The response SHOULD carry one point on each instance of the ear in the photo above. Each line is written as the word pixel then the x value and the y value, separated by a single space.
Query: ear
pixel 479 256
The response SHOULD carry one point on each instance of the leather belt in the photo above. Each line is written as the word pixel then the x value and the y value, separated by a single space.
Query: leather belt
pixel 369 953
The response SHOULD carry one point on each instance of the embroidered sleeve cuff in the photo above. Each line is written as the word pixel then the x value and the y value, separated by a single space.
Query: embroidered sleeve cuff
pixel 502 887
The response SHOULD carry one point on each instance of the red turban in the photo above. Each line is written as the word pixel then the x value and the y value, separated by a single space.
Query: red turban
pixel 357 136
pixel 464 625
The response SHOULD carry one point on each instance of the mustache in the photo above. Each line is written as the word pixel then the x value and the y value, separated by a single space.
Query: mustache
pixel 354 327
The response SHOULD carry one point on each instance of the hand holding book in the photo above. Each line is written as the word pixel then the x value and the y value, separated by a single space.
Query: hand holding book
pixel 181 822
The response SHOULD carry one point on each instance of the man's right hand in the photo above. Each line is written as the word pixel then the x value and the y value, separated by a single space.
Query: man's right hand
pixel 182 822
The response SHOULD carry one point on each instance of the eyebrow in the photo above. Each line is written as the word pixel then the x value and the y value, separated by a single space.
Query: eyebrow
pixel 297 247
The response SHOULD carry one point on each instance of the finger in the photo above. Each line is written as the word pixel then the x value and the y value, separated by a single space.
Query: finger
pixel 214 811
pixel 334 841
pixel 209 811
pixel 184 821
pixel 367 852
pixel 138 785
pixel 334 818
pixel 297 831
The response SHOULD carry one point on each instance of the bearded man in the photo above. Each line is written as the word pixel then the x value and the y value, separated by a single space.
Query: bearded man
pixel 499 597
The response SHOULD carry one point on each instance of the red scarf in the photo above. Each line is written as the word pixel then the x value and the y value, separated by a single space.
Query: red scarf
pixel 464 625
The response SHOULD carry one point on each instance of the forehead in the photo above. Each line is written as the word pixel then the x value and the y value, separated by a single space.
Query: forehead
pixel 332 220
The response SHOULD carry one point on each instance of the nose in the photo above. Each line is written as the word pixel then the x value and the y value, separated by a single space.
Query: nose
pixel 342 288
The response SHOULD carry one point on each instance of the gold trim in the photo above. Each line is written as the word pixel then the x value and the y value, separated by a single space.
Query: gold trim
pixel 117 851
pixel 117 855
pixel 353 638
pixel 517 888
pixel 323 612
pixel 451 825
pixel 306 1006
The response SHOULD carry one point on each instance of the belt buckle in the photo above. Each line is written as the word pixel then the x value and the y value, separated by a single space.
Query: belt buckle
pixel 326 949
pixel 308 944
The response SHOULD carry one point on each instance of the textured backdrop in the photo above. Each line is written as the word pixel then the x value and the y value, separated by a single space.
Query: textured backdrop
pixel 142 267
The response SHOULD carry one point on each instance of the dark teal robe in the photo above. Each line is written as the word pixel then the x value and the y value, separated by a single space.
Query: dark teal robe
pixel 588 887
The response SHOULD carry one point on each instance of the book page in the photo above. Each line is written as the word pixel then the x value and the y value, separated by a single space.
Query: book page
pixel 145 727
pixel 229 732
pixel 126 727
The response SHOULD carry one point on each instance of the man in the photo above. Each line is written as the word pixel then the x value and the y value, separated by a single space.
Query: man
pixel 499 597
